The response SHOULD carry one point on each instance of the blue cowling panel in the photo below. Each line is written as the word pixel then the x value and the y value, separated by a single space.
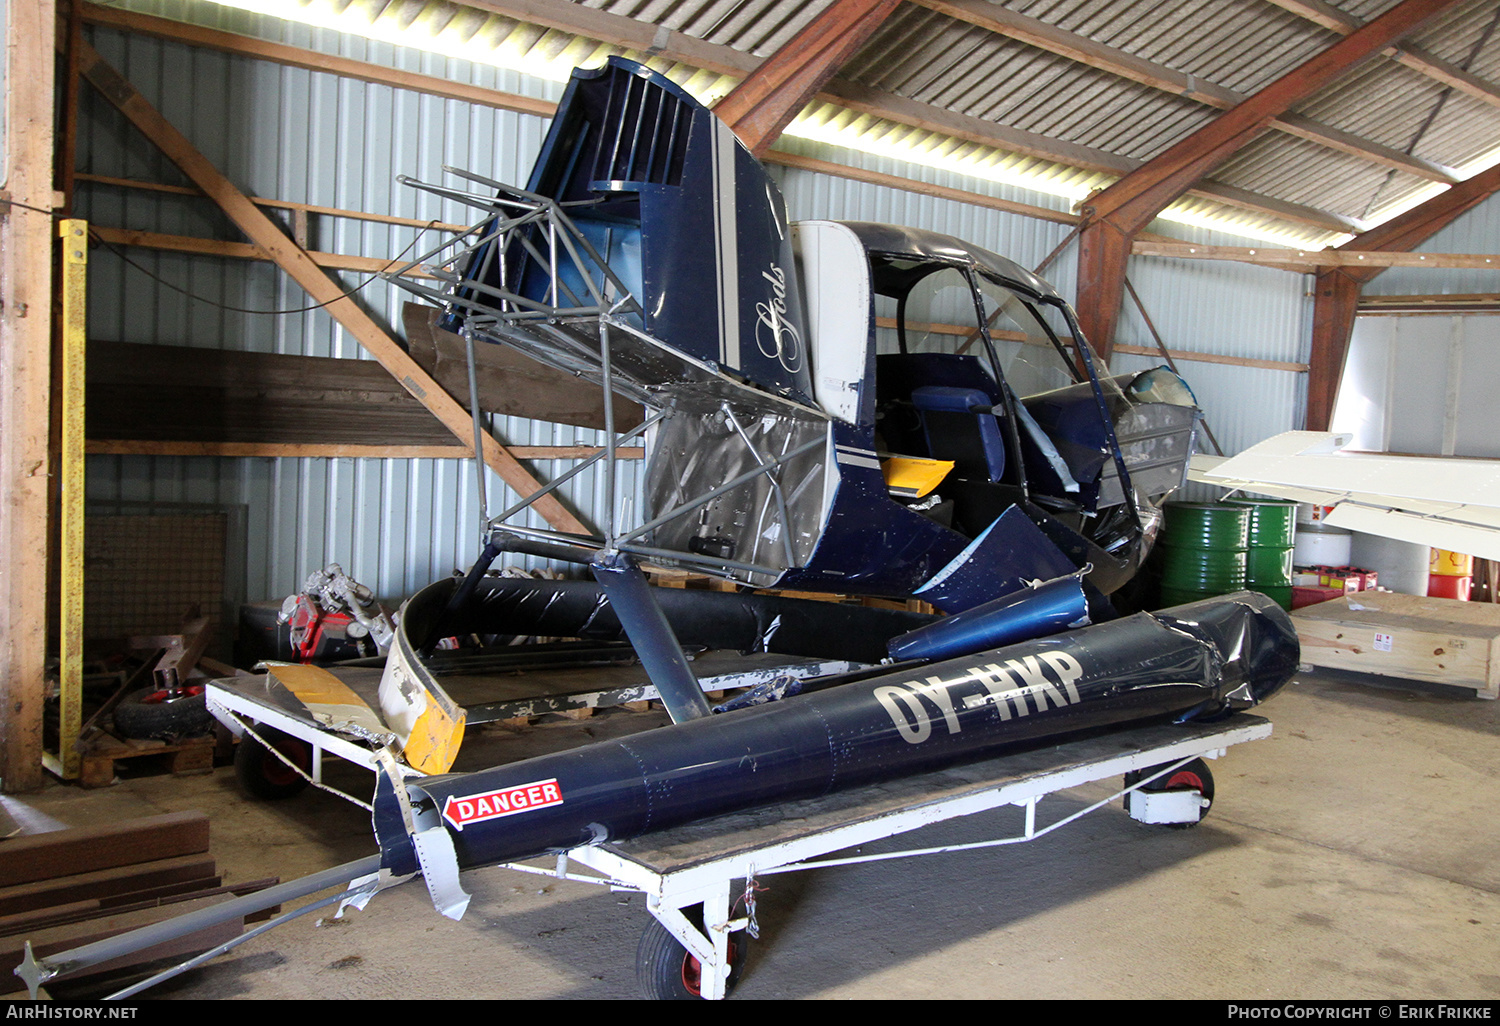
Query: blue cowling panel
pixel 1007 555
pixel 684 214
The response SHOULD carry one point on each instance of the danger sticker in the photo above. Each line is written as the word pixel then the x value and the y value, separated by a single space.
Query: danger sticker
pixel 1382 642
pixel 506 801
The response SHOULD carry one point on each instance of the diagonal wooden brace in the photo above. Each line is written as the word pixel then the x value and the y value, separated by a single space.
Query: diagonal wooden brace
pixel 292 259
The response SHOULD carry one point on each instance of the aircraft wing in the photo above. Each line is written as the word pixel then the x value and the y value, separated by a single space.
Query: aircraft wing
pixel 1444 502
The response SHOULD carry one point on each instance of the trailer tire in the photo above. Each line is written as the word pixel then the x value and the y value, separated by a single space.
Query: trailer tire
pixel 1192 776
pixel 667 972
pixel 159 713
pixel 261 774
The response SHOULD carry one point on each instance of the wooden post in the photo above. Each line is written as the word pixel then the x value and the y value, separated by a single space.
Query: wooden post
pixel 75 254
pixel 25 383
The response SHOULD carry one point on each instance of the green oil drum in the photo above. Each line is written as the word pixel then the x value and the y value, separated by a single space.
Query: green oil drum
pixel 1204 550
pixel 1272 537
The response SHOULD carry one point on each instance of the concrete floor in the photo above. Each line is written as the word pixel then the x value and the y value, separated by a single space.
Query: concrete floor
pixel 1352 855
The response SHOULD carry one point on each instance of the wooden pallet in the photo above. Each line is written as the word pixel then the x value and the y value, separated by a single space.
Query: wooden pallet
pixel 191 755
pixel 1441 641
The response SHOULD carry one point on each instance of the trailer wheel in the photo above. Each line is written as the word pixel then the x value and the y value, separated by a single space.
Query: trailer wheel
pixel 667 972
pixel 261 774
pixel 161 713
pixel 1192 776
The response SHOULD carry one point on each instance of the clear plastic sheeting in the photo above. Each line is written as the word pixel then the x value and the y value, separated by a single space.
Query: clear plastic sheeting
pixel 773 519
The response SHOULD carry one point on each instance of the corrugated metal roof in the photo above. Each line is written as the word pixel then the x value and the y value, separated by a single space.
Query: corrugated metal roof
pixel 1014 82
pixel 1059 85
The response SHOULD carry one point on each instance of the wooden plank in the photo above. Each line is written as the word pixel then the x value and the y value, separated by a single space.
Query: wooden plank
pixel 509 382
pixel 310 60
pixel 73 241
pixel 1308 260
pixel 105 883
pixel 1430 303
pixel 302 269
pixel 26 248
pixel 327 450
pixel 275 204
pixel 198 401
pixel 108 845
pixel 1230 361
pixel 239 250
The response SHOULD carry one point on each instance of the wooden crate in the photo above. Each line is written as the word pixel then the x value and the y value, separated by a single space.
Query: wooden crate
pixel 1443 641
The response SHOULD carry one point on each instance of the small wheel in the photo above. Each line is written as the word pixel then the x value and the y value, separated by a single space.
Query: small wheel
pixel 667 972
pixel 1192 776
pixel 261 774
pixel 160 713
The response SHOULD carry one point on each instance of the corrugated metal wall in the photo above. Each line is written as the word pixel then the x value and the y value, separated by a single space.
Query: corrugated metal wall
pixel 316 138
pixel 1424 383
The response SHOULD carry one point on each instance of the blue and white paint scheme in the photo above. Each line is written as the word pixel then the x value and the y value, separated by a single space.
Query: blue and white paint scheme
pixel 788 364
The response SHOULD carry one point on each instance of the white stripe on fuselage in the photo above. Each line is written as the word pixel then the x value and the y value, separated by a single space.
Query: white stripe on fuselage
pixel 726 242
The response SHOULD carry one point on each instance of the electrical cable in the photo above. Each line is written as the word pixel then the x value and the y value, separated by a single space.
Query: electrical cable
pixel 119 252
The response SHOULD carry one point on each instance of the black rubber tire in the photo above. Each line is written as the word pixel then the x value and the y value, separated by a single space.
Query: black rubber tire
pixel 1192 776
pixel 156 713
pixel 668 973
pixel 261 774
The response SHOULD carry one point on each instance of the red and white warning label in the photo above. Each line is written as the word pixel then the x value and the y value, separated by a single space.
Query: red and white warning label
pixel 505 801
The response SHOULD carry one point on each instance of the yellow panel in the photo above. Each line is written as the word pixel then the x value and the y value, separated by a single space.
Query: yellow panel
pixel 912 477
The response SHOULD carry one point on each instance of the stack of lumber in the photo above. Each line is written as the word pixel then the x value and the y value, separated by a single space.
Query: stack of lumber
pixel 67 888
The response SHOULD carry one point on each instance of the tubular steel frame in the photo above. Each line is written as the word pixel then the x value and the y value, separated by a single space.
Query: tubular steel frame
pixel 512 216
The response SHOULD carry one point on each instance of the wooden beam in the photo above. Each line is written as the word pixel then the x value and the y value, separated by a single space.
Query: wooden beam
pixel 1134 200
pixel 291 258
pixel 1176 354
pixel 1336 298
pixel 335 450
pixel 26 248
pixel 767 99
pixel 275 204
pixel 1103 251
pixel 1045 36
pixel 1335 305
pixel 1474 302
pixel 824 167
pixel 1117 213
pixel 628 33
pixel 238 250
pixel 1188 356
pixel 102 846
pixel 311 60
pixel 1309 260
pixel 1413 57
pixel 1409 230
